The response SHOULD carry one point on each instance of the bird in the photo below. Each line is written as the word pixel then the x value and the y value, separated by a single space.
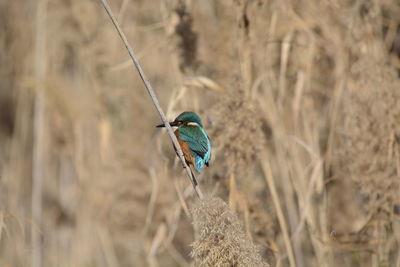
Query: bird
pixel 193 139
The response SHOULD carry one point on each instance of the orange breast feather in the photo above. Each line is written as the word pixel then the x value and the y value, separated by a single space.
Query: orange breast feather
pixel 185 149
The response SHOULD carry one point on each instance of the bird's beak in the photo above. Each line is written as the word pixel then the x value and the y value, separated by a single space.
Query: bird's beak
pixel 173 124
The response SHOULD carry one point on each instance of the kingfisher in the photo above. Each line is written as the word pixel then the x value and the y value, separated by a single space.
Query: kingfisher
pixel 193 139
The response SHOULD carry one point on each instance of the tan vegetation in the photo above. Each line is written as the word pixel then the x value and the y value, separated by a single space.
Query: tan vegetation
pixel 300 99
pixel 220 239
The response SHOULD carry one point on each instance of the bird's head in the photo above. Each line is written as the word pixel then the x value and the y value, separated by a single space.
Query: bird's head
pixel 185 118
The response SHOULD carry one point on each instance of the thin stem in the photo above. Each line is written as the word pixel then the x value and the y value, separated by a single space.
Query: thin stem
pixel 281 218
pixel 39 121
pixel 154 99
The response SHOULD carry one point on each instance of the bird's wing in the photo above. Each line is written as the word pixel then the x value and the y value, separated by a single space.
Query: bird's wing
pixel 196 139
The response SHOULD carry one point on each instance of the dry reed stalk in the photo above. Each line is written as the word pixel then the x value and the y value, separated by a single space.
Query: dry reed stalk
pixel 244 46
pixel 122 11
pixel 150 90
pixel 285 51
pixel 104 237
pixel 272 112
pixel 177 256
pixel 39 122
pixel 2 224
pixel 153 196
pixel 157 241
pixel 277 203
pixel 181 198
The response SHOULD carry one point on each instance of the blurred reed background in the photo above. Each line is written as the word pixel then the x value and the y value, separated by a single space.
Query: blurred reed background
pixel 300 99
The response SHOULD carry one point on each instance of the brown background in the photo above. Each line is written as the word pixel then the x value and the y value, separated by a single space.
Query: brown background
pixel 304 93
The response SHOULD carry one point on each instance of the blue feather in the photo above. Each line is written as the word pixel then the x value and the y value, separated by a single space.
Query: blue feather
pixel 199 143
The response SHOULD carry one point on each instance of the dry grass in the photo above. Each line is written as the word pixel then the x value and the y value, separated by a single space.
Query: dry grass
pixel 370 128
pixel 300 99
pixel 220 239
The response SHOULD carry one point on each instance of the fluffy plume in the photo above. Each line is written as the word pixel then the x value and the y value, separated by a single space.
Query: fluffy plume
pixel 369 144
pixel 220 239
